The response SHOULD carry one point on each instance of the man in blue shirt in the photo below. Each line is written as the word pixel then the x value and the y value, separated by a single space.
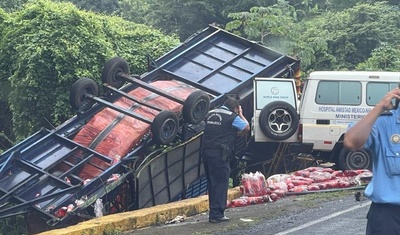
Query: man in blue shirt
pixel 222 126
pixel 381 134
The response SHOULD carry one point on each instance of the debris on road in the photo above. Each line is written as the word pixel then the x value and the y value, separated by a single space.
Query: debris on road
pixel 256 189
pixel 177 219
pixel 246 220
pixel 358 196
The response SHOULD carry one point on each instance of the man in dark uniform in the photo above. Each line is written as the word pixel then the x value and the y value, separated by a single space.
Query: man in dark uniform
pixel 222 126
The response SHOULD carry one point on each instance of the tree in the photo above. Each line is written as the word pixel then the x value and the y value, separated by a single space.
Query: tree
pixel 47 46
pixel 6 133
pixel 330 41
pixel 385 58
pixel 264 24
pixel 11 5
pixel 354 33
pixel 134 10
pixel 101 6
pixel 276 26
pixel 185 17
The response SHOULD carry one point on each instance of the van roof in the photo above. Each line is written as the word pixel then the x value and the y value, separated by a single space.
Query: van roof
pixel 354 75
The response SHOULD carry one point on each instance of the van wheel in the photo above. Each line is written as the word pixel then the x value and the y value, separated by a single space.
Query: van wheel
pixel 278 120
pixel 357 160
pixel 196 107
pixel 165 127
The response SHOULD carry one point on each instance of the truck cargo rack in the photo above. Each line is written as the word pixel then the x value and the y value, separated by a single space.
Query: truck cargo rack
pixel 29 177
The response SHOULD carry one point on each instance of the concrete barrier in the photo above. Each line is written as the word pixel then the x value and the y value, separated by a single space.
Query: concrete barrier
pixel 142 218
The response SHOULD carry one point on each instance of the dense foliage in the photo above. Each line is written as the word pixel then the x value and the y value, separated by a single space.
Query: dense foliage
pixel 330 41
pixel 47 46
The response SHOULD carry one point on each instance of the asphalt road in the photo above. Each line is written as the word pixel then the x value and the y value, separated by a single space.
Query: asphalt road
pixel 318 213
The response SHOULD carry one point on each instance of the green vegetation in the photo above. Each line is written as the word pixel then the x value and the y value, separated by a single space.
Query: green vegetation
pixel 47 46
pixel 340 40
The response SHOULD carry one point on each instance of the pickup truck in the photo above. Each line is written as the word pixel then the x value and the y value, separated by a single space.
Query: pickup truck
pixel 137 144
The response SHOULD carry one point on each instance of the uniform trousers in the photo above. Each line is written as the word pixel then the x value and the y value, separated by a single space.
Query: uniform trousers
pixel 217 173
pixel 383 219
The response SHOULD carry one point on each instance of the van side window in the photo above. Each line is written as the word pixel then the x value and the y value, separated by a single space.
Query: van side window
pixel 338 93
pixel 376 90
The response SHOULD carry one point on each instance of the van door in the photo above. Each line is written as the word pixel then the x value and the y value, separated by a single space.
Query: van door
pixel 328 107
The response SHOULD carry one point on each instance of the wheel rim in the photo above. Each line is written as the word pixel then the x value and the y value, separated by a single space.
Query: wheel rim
pixel 200 109
pixel 84 101
pixel 168 128
pixel 279 121
pixel 358 160
pixel 115 77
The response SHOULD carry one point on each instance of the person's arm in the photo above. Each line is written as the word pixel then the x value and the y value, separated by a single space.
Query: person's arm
pixel 244 127
pixel 357 135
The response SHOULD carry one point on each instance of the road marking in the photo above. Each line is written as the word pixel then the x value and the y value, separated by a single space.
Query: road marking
pixel 322 219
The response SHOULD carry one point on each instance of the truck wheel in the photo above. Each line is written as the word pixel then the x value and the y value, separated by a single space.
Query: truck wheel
pixel 111 70
pixel 78 92
pixel 165 127
pixel 196 107
pixel 278 120
pixel 349 160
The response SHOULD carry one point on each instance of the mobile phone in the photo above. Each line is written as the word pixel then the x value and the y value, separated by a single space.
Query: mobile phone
pixel 396 102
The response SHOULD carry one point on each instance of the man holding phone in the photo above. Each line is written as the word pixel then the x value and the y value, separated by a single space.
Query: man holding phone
pixel 222 126
pixel 381 134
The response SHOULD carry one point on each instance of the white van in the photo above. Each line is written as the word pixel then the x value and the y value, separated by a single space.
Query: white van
pixel 330 100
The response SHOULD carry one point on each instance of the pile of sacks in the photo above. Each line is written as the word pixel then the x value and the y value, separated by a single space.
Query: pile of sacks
pixel 256 189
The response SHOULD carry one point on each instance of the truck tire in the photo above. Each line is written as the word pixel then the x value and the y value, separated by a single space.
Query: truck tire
pixel 278 120
pixel 78 92
pixel 111 70
pixel 165 127
pixel 196 107
pixel 357 160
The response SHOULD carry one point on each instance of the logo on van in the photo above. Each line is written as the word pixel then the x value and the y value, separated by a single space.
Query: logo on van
pixel 274 90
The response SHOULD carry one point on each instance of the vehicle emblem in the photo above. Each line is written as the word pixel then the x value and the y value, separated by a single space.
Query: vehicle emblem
pixel 395 138
pixel 274 90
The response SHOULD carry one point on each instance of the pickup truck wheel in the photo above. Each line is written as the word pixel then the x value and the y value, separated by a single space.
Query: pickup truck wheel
pixel 357 160
pixel 165 127
pixel 78 92
pixel 196 107
pixel 111 70
pixel 278 120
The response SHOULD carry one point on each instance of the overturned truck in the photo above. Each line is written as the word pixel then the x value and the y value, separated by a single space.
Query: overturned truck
pixel 137 144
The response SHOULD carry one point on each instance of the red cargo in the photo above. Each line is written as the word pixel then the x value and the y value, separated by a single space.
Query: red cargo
pixel 114 134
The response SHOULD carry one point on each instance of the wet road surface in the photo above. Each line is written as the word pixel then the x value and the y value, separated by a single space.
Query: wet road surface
pixel 318 213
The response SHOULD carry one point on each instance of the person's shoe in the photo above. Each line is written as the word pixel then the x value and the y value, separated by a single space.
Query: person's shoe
pixel 219 220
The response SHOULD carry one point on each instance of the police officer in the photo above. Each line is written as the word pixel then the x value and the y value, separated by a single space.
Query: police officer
pixel 222 126
pixel 381 134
